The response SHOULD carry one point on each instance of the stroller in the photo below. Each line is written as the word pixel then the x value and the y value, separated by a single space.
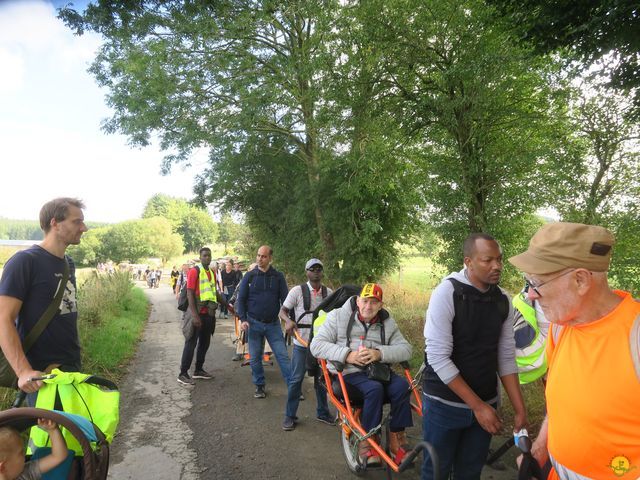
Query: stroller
pixel 348 403
pixel 86 409
pixel 94 463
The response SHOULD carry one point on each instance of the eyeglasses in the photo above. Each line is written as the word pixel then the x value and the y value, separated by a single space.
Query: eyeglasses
pixel 536 286
pixel 315 269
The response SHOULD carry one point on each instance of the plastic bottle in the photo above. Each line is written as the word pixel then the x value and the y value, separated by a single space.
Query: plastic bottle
pixel 361 345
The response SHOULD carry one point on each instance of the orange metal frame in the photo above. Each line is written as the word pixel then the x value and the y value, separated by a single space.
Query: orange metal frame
pixel 345 407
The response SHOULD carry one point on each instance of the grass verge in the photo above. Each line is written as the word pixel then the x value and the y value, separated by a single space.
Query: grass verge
pixel 112 314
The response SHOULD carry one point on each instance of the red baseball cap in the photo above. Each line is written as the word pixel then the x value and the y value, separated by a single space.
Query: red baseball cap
pixel 371 290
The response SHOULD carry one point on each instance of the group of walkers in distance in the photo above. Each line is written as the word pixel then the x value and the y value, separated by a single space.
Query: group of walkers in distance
pixel 566 327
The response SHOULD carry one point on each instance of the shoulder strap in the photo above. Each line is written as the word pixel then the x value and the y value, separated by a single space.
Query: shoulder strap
pixel 324 292
pixel 49 313
pixel 634 340
pixel 306 297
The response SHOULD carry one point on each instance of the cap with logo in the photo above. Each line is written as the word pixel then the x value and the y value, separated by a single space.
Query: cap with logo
pixel 561 245
pixel 312 262
pixel 371 290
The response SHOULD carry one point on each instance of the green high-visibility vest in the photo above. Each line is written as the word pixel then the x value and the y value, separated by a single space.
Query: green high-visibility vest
pixel 97 404
pixel 317 323
pixel 207 287
pixel 531 359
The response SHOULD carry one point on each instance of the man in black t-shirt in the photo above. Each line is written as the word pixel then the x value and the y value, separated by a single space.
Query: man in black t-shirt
pixel 29 283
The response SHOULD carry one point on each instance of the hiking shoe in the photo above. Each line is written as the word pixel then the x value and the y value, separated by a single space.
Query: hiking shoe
pixel 236 357
pixel 201 374
pixel 260 393
pixel 185 379
pixel 328 419
pixel 288 424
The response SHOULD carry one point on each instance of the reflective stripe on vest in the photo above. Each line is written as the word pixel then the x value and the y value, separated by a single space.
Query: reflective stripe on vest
pixel 531 360
pixel 566 473
pixel 207 287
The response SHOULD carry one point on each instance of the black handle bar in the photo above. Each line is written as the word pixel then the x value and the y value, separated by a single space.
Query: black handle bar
pixel 408 460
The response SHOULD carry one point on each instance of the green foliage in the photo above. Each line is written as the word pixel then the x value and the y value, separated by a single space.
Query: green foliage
pixel 587 31
pixel 20 229
pixel 193 224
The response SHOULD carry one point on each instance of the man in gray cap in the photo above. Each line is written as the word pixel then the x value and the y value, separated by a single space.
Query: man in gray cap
pixel 302 300
pixel 592 429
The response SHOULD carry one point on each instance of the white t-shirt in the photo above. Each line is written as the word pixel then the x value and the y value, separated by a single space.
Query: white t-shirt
pixel 295 302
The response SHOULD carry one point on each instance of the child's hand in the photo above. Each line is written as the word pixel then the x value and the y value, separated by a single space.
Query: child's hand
pixel 47 425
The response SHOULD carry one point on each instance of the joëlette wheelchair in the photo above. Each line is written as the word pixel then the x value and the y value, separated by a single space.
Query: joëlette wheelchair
pixel 348 402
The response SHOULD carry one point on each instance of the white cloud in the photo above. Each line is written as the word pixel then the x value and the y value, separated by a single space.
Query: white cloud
pixel 50 139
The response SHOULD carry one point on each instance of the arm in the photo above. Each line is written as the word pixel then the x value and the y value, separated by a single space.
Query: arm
pixel 508 370
pixel 192 282
pixel 324 344
pixel 539 448
pixel 439 339
pixel 241 302
pixel 58 446
pixel 12 346
pixel 289 304
pixel 397 349
pixel 512 387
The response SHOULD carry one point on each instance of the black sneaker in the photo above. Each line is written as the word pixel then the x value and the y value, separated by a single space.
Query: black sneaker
pixel 329 420
pixel 288 424
pixel 185 379
pixel 260 393
pixel 201 374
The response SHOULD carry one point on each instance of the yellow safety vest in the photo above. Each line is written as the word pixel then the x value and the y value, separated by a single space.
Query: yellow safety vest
pixel 531 360
pixel 207 287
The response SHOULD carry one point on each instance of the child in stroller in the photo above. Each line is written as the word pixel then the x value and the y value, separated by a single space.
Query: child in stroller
pixel 12 461
pixel 92 465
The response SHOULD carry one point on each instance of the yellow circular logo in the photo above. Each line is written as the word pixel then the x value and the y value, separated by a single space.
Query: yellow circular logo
pixel 620 465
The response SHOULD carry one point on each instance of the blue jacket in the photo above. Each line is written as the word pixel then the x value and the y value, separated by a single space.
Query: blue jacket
pixel 261 294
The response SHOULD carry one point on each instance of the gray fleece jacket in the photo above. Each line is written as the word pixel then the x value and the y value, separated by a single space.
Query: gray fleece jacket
pixel 330 342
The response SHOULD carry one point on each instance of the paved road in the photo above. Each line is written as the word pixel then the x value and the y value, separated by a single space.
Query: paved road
pixel 217 430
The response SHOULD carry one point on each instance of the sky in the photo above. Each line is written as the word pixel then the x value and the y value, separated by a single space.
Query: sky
pixel 51 144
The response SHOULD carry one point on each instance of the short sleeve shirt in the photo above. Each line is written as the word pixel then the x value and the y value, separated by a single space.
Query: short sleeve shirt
pixel 31 471
pixel 193 283
pixel 33 276
pixel 295 301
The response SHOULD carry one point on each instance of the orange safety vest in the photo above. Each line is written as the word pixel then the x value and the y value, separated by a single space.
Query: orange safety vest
pixel 593 398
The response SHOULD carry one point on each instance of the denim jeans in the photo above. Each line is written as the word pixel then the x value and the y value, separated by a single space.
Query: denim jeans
pixel 227 296
pixel 298 369
pixel 273 333
pixel 202 338
pixel 461 443
pixel 375 394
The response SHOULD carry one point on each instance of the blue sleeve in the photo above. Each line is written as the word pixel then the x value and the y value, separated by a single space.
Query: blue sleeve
pixel 241 301
pixel 284 288
pixel 16 277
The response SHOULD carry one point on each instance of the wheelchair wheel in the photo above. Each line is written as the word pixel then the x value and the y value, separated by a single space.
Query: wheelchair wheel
pixel 350 451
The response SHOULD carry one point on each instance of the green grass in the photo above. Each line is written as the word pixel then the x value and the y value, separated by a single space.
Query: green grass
pixel 112 314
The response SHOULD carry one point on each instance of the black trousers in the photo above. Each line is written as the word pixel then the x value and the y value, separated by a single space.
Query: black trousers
pixel 202 339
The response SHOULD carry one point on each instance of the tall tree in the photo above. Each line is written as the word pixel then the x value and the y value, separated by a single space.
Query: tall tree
pixel 241 77
pixel 486 123
pixel 587 30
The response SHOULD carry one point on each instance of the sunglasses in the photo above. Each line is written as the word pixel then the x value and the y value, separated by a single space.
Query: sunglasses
pixel 535 286
pixel 315 269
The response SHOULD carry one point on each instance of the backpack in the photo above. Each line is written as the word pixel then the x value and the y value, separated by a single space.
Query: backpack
pixel 331 302
pixel 183 300
pixel 306 305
